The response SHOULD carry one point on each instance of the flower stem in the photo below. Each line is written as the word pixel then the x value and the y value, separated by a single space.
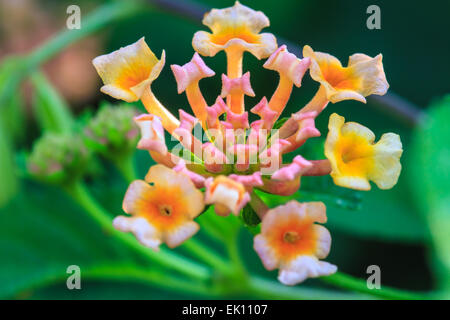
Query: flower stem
pixel 126 273
pixel 205 254
pixel 126 167
pixel 258 205
pixel 343 280
pixel 154 278
pixel 80 194
pixel 268 289
pixel 93 22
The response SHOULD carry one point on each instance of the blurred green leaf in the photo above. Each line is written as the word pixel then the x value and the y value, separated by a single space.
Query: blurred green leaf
pixel 8 178
pixel 12 102
pixel 430 175
pixel 373 215
pixel 11 125
pixel 51 111
pixel 11 71
pixel 378 216
pixel 279 123
pixel 42 233
pixel 249 216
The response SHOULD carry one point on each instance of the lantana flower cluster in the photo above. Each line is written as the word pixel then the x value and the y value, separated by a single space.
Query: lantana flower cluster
pixel 231 157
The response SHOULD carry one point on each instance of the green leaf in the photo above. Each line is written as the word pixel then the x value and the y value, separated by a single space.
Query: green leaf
pixel 249 216
pixel 11 126
pixel 11 106
pixel 41 234
pixel 279 123
pixel 379 213
pixel 8 177
pixel 51 111
pixel 11 72
pixel 376 214
pixel 430 179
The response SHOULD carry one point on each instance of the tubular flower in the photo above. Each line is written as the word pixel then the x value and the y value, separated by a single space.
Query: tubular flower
pixel 225 158
pixel 292 242
pixel 355 158
pixel 158 216
pixel 227 195
pixel 362 77
pixel 127 71
pixel 127 75
pixel 235 28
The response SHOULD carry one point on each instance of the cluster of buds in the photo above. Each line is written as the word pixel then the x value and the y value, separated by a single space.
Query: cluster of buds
pixel 58 158
pixel 112 132
pixel 229 157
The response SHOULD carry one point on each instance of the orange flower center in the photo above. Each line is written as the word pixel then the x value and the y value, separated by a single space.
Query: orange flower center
pixel 242 32
pixel 131 77
pixel 163 207
pixel 292 238
pixel 339 77
pixel 354 154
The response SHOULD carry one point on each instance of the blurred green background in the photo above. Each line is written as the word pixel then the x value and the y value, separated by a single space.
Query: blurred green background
pixel 405 230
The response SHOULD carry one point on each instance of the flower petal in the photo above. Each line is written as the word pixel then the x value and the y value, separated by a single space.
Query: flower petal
pixel 237 27
pixel 141 228
pixel 265 252
pixel 387 166
pixel 162 176
pixel 363 76
pixel 227 193
pixel 355 159
pixel 305 267
pixel 126 72
pixel 177 236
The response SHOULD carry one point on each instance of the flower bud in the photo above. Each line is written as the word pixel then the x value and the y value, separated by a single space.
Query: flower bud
pixel 112 132
pixel 58 158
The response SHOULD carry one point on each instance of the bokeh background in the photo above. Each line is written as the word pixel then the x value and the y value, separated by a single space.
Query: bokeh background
pixel 405 230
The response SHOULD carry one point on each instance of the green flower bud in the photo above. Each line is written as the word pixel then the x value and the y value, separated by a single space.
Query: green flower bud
pixel 58 158
pixel 112 132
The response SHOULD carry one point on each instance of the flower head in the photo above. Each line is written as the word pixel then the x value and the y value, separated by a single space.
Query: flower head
pixel 127 71
pixel 362 77
pixel 162 207
pixel 238 28
pixel 292 242
pixel 355 158
pixel 234 157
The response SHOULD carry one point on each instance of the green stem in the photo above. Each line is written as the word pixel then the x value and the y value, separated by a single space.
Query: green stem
pixel 233 252
pixel 232 246
pixel 124 273
pixel 145 276
pixel 93 22
pixel 98 19
pixel 345 281
pixel 81 195
pixel 206 255
pixel 126 167
pixel 268 289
